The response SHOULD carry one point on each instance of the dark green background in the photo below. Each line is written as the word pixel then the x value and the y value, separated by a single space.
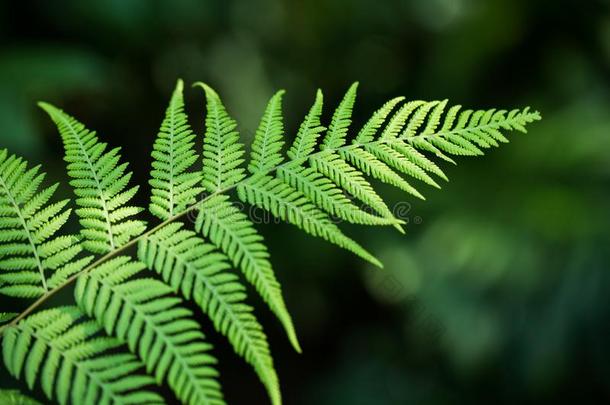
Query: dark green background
pixel 498 293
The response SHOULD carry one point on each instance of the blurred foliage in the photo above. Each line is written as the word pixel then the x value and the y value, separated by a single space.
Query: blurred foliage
pixel 498 292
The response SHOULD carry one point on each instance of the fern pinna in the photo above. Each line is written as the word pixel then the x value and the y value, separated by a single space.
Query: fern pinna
pixel 131 328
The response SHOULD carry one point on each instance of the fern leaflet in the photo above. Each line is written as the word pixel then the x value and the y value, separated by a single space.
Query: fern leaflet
pixel 326 195
pixel 222 151
pixel 309 131
pixel 368 131
pixel 231 231
pixel 195 269
pixel 339 124
pixel 352 181
pixel 14 397
pixel 268 140
pixel 368 164
pixel 7 316
pixel 99 185
pixel 290 205
pixel 173 187
pixel 143 314
pixel 32 258
pixel 62 350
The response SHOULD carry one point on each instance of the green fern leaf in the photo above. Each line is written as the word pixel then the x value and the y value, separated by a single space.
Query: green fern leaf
pixel 7 316
pixel 366 161
pixel 33 259
pixel 451 116
pixel 173 187
pixel 14 397
pixel 268 140
pixel 143 314
pixel 368 131
pixel 425 145
pixel 418 158
pixel 99 182
pixel 345 176
pixel 434 118
pixel 318 191
pixel 72 363
pixel 400 162
pixel 69 355
pixel 195 269
pixel 480 127
pixel 309 131
pixel 290 205
pixel 418 118
pixel 370 165
pixel 337 131
pixel 326 195
pixel 399 119
pixel 233 233
pixel 222 151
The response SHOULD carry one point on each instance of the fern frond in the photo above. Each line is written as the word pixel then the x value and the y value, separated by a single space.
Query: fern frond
pixel 310 188
pixel 174 188
pixel 309 131
pixel 290 205
pixel 99 182
pixel 63 351
pixel 143 314
pixel 14 397
pixel 268 140
pixel 32 258
pixel 231 231
pixel 199 273
pixel 222 151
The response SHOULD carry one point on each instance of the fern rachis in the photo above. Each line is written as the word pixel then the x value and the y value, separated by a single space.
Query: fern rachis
pixel 133 300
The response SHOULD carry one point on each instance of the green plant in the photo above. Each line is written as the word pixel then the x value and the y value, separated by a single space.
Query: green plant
pixel 14 397
pixel 129 328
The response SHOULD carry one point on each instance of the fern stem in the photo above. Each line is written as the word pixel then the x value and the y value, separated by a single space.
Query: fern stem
pixel 116 251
